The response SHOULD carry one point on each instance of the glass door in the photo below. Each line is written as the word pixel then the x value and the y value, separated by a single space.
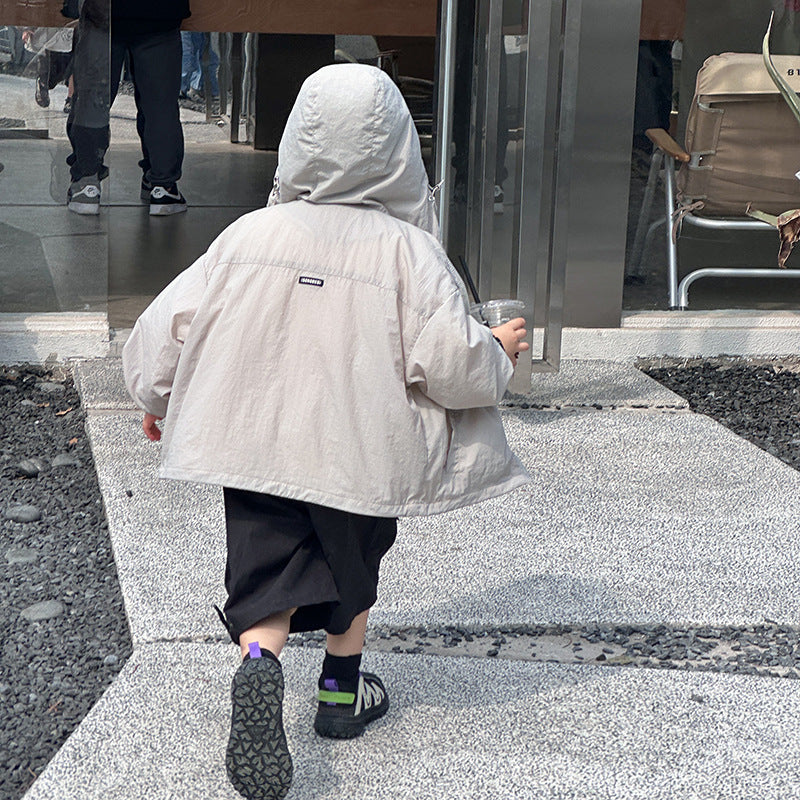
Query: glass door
pixel 506 119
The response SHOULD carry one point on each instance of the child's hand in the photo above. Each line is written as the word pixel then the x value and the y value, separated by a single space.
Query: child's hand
pixel 512 335
pixel 151 430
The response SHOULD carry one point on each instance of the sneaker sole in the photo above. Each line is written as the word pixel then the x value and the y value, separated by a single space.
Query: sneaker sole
pixel 84 208
pixel 163 211
pixel 258 760
pixel 336 726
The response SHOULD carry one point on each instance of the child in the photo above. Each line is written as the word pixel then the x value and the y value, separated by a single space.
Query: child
pixel 319 363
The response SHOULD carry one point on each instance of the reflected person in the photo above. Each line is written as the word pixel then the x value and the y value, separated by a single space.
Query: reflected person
pixel 147 31
pixel 192 86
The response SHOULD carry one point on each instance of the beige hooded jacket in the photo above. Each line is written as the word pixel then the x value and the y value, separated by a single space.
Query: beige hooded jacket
pixel 321 349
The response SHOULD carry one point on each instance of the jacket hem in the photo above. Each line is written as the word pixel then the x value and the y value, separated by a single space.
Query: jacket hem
pixel 350 504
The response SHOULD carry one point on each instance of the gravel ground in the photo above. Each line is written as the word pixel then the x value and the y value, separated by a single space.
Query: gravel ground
pixel 63 632
pixel 757 399
pixel 53 670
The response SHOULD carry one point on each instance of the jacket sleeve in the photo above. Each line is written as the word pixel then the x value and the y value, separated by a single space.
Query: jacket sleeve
pixel 456 362
pixel 150 356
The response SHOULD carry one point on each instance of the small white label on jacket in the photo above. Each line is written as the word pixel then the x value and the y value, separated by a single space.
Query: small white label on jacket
pixel 311 281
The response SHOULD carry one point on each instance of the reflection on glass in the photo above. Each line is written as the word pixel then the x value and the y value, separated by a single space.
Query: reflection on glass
pixel 486 184
pixel 83 106
pixel 676 38
pixel 113 111
pixel 50 263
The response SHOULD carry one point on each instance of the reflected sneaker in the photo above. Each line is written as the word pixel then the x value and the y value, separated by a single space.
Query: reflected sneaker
pixel 42 93
pixel 258 761
pixel 499 199
pixel 166 200
pixel 344 714
pixel 83 196
pixel 67 105
pixel 144 193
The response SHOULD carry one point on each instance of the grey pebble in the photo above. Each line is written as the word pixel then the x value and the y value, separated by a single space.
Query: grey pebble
pixel 23 513
pixel 9 388
pixel 27 402
pixel 31 467
pixel 110 660
pixel 21 555
pixel 48 387
pixel 65 460
pixel 39 612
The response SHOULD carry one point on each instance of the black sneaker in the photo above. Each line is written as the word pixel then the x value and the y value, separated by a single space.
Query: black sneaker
pixel 42 93
pixel 343 714
pixel 83 196
pixel 166 200
pixel 258 760
pixel 68 105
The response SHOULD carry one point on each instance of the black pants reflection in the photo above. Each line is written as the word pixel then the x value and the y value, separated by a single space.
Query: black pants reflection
pixel 155 64
pixel 52 67
pixel 653 89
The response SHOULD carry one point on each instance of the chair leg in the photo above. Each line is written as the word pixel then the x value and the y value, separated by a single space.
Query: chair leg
pixel 639 241
pixel 672 246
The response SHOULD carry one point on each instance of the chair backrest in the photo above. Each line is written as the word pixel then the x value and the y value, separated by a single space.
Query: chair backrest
pixel 743 140
pixel 731 26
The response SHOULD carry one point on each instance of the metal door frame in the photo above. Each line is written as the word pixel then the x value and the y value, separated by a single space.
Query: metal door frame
pixel 550 102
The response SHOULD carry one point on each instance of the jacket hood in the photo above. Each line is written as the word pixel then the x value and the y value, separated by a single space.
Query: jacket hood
pixel 350 139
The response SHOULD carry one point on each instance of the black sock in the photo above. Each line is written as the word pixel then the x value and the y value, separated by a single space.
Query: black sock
pixel 344 669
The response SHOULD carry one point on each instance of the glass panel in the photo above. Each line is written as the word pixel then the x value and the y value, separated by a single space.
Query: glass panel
pixel 513 99
pixel 676 38
pixel 207 148
pixel 506 187
pixel 52 260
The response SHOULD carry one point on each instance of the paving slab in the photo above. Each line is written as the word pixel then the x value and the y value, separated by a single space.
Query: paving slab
pixel 608 384
pixel 632 517
pixel 168 537
pixel 457 728
pixel 101 384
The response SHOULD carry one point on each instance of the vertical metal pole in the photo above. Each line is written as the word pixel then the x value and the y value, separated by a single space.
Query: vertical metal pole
pixel 236 84
pixel 479 90
pixel 559 232
pixel 672 247
pixel 444 127
pixel 488 138
pixel 533 175
pixel 205 69
pixel 224 76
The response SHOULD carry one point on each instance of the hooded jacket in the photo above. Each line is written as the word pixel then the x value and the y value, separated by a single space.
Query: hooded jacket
pixel 321 349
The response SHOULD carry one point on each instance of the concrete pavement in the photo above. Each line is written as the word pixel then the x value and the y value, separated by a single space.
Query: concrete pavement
pixel 640 513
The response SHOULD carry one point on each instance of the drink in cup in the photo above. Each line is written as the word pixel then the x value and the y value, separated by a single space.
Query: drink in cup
pixel 497 312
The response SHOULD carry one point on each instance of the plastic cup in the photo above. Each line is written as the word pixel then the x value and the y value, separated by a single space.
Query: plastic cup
pixel 497 312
